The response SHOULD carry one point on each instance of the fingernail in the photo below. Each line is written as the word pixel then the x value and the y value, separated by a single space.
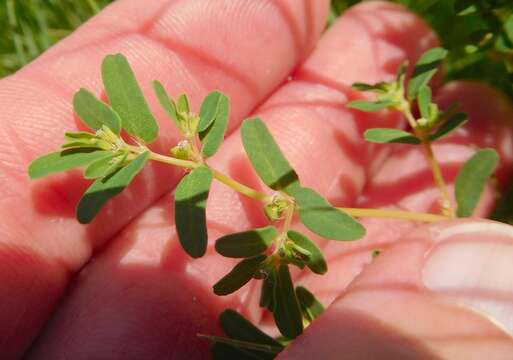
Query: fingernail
pixel 472 263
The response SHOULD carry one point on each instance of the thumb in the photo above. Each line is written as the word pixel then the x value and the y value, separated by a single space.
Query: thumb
pixel 443 291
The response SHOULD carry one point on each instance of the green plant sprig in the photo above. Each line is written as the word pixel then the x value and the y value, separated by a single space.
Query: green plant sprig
pixel 431 125
pixel 118 149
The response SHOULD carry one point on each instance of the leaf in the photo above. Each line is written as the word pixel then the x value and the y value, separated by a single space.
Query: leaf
pixel 239 328
pixel 508 27
pixel 424 101
pixel 472 180
pixel 209 109
pixel 190 202
pixel 370 106
pixel 224 351
pixel 310 306
pixel 239 276
pixel 127 99
pixel 101 169
pixel 267 294
pixel 238 349
pixel 80 135
pixel 63 161
pixel 456 121
pixel 266 157
pixel 316 261
pixel 94 112
pixel 213 136
pixel 183 105
pixel 102 190
pixel 325 220
pixel 369 87
pixel 166 101
pixel 98 167
pixel 425 69
pixel 287 313
pixel 389 135
pixel 247 243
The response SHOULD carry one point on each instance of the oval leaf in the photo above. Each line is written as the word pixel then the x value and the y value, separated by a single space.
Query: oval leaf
pixel 316 261
pixel 102 190
pixel 190 201
pixel 425 69
pixel 63 161
pixel 384 135
pixel 424 101
pixel 370 106
pixel 239 276
pixel 166 101
pixel 287 313
pixel 472 180
pixel 456 121
pixel 212 137
pixel 267 293
pixel 127 99
pixel 238 327
pixel 99 167
pixel 247 243
pixel 266 157
pixel 209 109
pixel 325 220
pixel 94 112
pixel 310 306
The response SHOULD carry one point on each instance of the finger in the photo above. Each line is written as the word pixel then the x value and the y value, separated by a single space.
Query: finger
pixel 443 291
pixel 184 305
pixel 41 243
pixel 405 182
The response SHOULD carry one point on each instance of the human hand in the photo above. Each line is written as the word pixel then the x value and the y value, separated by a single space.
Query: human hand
pixel 141 296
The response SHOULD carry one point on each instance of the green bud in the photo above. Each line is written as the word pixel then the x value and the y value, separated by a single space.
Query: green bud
pixel 276 208
pixel 182 151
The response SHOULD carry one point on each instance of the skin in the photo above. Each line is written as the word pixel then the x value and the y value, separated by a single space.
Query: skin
pixel 122 287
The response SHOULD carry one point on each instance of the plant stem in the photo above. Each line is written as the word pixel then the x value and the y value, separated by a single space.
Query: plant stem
pixel 243 189
pixel 263 197
pixel 394 214
pixel 447 209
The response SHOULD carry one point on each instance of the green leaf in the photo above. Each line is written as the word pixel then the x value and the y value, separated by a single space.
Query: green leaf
pixel 508 27
pixel 102 190
pixel 325 220
pixel 369 87
pixel 127 99
pixel 267 293
pixel 239 328
pixel 316 261
pixel 190 201
pixel 63 161
pixel 239 276
pixel 456 121
pixel 183 105
pixel 247 243
pixel 310 306
pixel 424 101
pixel 472 180
pixel 209 108
pixel 370 106
pixel 213 135
pixel 105 166
pixel 425 69
pixel 240 350
pixel 287 313
pixel 388 135
pixel 166 101
pixel 224 351
pixel 266 157
pixel 95 113
pixel 99 167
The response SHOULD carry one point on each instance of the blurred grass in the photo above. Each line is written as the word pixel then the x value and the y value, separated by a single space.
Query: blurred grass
pixel 29 27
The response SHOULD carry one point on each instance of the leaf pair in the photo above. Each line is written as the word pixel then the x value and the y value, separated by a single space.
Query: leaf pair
pixel 276 172
pixel 213 119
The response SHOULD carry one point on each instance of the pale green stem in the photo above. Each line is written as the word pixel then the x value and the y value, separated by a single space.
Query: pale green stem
pixel 394 214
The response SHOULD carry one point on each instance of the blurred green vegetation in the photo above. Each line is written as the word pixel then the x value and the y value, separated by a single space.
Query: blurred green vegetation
pixel 29 27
